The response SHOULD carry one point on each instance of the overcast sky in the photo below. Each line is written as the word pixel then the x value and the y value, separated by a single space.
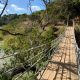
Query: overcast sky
pixel 22 6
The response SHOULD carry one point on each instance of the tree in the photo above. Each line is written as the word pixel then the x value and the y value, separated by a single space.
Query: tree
pixel 63 9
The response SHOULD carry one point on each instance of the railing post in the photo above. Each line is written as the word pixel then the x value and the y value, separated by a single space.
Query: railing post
pixel 73 23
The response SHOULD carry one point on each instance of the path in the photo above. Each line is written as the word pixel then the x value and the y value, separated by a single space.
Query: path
pixel 63 65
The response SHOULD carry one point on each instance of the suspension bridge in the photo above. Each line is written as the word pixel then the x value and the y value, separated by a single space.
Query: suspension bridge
pixel 63 64
pixel 63 59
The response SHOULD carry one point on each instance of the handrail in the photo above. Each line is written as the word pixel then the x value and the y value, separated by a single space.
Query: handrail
pixel 78 56
pixel 78 61
pixel 38 60
pixel 53 46
pixel 47 54
pixel 32 48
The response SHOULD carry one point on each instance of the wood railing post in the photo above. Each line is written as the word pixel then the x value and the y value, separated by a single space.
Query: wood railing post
pixel 73 23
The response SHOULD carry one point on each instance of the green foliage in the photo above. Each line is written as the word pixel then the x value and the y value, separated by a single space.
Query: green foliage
pixel 3 77
pixel 1 36
pixel 10 43
pixel 63 9
pixel 7 18
pixel 48 34
pixel 27 76
pixel 77 28
pixel 35 36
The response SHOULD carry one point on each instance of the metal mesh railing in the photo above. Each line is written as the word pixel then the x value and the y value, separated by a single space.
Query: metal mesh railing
pixel 78 57
pixel 48 55
pixel 78 60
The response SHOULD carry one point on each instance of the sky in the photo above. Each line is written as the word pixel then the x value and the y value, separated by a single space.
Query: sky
pixel 22 6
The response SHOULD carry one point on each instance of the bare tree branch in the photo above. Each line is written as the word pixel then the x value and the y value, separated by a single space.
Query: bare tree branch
pixel 4 8
pixel 45 3
pixel 14 34
pixel 30 6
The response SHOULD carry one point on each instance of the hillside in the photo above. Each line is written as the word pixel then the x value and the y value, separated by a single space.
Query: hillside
pixel 22 33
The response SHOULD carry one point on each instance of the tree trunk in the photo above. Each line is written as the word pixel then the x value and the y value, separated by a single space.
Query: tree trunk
pixel 6 2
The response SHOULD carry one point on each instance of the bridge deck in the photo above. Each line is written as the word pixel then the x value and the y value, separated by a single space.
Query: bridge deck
pixel 63 65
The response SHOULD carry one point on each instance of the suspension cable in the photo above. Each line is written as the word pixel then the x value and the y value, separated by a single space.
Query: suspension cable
pixel 32 48
pixel 53 47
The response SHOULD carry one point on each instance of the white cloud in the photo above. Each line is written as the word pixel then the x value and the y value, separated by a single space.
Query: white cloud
pixel 17 8
pixel 35 8
pixel 8 10
pixel 0 9
pixel 1 5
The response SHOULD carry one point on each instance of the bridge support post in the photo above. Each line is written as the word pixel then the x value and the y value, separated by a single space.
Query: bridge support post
pixel 73 23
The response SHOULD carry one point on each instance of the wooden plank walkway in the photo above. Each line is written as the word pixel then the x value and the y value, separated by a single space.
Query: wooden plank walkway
pixel 63 65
